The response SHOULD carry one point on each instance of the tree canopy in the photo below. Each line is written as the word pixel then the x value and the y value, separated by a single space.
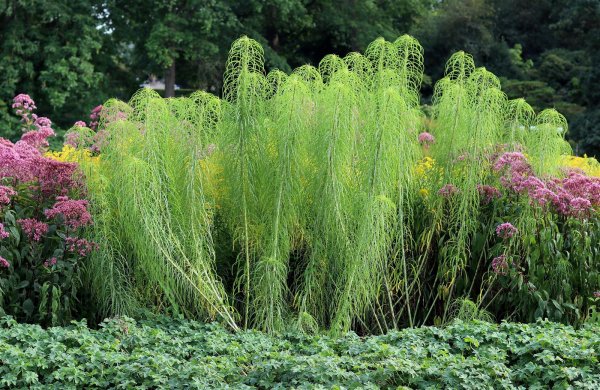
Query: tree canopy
pixel 71 56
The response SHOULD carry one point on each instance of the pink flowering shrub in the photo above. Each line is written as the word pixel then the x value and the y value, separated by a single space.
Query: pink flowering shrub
pixel 42 225
pixel 80 245
pixel 574 195
pixel 73 213
pixel 533 247
pixel 33 228
pixel 5 194
pixel 555 247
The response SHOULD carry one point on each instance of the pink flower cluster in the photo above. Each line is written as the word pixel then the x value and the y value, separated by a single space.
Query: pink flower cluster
pixel 95 117
pixel 500 265
pixel 506 230
pixel 448 190
pixel 57 177
pixel 96 141
pixel 100 141
pixel 5 194
pixel 4 263
pixel 24 163
pixel 50 262
pixel 33 228
pixel 43 122
pixel 23 105
pixel 596 294
pixel 488 193
pixel 426 139
pixel 80 245
pixel 516 168
pixel 36 129
pixel 17 160
pixel 3 233
pixel 580 206
pixel 38 138
pixel 575 195
pixel 23 102
pixel 74 212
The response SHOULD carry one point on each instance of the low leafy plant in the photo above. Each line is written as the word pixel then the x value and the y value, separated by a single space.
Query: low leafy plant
pixel 160 352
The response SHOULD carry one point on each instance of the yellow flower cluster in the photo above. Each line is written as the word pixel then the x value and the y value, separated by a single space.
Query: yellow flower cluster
pixel 88 164
pixel 423 169
pixel 71 154
pixel 424 166
pixel 589 165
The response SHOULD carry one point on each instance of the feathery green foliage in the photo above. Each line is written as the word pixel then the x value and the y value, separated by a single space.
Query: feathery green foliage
pixel 159 219
pixel 339 211
pixel 546 140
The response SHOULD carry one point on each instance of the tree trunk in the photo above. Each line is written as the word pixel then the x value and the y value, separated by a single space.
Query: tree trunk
pixel 170 81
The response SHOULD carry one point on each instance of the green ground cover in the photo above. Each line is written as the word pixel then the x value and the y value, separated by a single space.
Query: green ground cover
pixel 167 353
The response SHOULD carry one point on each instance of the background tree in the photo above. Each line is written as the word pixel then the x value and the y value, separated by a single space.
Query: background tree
pixel 163 34
pixel 350 25
pixel 49 50
pixel 455 25
pixel 543 52
pixel 71 56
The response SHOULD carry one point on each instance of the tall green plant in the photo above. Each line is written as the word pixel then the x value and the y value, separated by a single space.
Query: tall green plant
pixel 332 151
pixel 386 158
pixel 469 113
pixel 545 142
pixel 339 202
pixel 245 90
pixel 159 211
pixel 280 203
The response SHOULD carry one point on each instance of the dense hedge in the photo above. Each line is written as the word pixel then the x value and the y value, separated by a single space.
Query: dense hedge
pixel 165 353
